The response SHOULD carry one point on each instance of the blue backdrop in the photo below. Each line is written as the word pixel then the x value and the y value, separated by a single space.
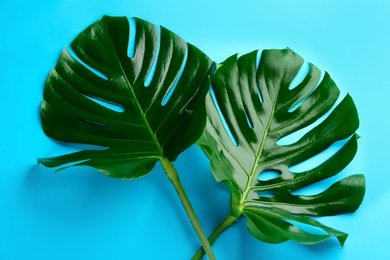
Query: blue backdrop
pixel 81 214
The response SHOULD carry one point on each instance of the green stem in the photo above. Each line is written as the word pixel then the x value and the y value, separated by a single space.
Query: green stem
pixel 174 178
pixel 229 221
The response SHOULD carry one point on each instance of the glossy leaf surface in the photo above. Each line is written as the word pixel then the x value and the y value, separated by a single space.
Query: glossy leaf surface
pixel 151 119
pixel 250 110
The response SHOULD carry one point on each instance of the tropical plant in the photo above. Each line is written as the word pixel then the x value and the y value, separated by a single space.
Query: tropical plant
pixel 147 101
pixel 154 120
pixel 250 109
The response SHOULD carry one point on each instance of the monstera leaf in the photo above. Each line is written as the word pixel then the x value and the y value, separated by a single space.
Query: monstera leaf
pixel 151 120
pixel 249 110
pixel 157 85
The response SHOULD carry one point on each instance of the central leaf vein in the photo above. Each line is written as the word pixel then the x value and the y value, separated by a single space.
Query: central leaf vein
pixel 252 174
pixel 143 115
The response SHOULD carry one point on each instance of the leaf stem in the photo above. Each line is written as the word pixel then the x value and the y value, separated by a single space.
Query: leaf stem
pixel 229 221
pixel 174 178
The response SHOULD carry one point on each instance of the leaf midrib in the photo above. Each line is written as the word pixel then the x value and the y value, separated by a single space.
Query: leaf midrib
pixel 258 156
pixel 292 204
pixel 145 120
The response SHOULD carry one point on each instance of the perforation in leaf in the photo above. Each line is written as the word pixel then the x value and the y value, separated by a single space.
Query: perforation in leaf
pixel 259 169
pixel 93 70
pixel 96 95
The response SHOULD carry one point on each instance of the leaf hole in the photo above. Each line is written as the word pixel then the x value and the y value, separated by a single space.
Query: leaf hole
pixel 222 117
pixel 109 105
pixel 315 188
pixel 153 68
pixel 295 106
pixel 259 93
pixel 258 57
pixel 132 34
pixel 307 228
pixel 173 87
pixel 300 76
pixel 249 121
pixel 295 136
pixel 319 158
pixel 266 194
pixel 93 70
pixel 269 175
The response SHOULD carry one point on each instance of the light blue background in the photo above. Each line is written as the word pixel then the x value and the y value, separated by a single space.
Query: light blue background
pixel 81 214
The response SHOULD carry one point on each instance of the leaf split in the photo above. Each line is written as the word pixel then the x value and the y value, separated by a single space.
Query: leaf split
pixel 269 204
pixel 151 101
pixel 152 124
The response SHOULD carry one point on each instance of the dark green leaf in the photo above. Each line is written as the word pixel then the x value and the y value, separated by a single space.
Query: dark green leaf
pixel 152 125
pixel 273 226
pixel 249 110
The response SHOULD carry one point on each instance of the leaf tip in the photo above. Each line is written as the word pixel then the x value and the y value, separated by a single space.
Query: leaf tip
pixel 342 238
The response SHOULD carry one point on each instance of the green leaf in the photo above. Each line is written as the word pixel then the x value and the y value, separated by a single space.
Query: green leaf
pixel 151 122
pixel 272 226
pixel 249 110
